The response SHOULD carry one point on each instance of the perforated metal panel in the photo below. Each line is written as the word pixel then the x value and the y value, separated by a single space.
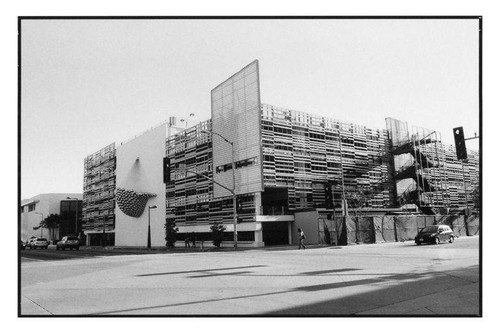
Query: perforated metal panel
pixel 236 117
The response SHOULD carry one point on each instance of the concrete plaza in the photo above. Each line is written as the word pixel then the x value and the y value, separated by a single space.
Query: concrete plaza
pixel 371 280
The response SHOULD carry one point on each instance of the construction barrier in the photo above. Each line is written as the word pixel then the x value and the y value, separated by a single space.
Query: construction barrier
pixel 473 225
pixel 328 232
pixel 384 228
pixel 391 228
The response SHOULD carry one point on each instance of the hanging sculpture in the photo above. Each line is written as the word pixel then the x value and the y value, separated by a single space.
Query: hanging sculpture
pixel 132 203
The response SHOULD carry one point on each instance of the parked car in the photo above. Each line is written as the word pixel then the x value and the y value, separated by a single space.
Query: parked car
pixel 435 234
pixel 29 240
pixel 39 242
pixel 68 242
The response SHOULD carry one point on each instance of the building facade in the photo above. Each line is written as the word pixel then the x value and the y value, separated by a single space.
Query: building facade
pixel 427 171
pixel 34 210
pixel 140 191
pixel 99 185
pixel 276 162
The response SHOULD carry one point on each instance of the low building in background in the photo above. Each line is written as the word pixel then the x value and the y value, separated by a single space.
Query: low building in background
pixel 36 209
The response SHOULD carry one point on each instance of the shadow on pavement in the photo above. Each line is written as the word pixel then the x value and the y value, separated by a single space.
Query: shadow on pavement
pixel 201 270
pixel 392 289
pixel 407 287
pixel 341 270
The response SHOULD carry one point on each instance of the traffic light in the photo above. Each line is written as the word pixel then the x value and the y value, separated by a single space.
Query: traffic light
pixel 166 170
pixel 328 196
pixel 239 205
pixel 458 133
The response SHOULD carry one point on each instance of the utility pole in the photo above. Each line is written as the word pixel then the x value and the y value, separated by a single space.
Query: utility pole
pixel 104 231
pixel 461 150
pixel 149 225
pixel 233 190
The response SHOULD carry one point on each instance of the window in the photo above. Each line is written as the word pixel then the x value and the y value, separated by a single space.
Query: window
pixel 31 207
pixel 334 165
pixel 268 158
pixel 238 164
pixel 247 162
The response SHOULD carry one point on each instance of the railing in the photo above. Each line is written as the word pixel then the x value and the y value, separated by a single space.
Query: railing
pixel 274 210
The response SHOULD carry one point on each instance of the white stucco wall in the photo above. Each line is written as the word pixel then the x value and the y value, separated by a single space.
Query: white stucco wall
pixel 139 167
pixel 47 203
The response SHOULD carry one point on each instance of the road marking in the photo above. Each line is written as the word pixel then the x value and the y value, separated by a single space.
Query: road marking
pixel 41 307
pixel 29 259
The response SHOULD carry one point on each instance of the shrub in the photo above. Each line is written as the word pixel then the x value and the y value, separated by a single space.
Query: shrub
pixel 217 232
pixel 171 233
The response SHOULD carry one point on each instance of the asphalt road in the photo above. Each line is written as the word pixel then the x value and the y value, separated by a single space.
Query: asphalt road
pixel 366 280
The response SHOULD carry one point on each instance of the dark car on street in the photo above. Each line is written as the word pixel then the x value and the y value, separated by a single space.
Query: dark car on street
pixel 435 234
pixel 68 242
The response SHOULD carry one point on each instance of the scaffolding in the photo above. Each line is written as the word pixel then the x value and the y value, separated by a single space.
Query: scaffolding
pixel 437 176
pixel 190 196
pixel 99 184
pixel 305 152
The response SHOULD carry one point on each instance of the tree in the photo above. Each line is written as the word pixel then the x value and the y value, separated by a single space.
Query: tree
pixel 359 199
pixel 51 222
pixel 171 233
pixel 217 233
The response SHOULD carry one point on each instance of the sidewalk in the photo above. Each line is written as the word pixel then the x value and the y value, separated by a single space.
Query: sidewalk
pixel 229 247
pixel 460 301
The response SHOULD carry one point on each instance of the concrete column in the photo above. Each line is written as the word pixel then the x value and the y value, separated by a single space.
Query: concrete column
pixel 259 238
pixel 257 202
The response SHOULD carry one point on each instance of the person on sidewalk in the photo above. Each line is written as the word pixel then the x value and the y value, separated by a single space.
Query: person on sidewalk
pixel 302 236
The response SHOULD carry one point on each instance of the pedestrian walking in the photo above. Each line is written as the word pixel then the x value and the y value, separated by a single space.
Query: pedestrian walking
pixel 302 236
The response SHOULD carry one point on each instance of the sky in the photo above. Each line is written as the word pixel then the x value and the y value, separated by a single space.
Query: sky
pixel 88 83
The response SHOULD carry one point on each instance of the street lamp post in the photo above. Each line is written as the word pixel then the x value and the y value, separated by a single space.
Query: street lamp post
pixel 104 219
pixel 149 225
pixel 76 214
pixel 233 192
pixel 186 120
pixel 41 228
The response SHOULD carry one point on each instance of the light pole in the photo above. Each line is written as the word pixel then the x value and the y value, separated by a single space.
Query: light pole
pixel 186 120
pixel 463 176
pixel 104 219
pixel 41 228
pixel 233 192
pixel 345 210
pixel 149 225
pixel 76 214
